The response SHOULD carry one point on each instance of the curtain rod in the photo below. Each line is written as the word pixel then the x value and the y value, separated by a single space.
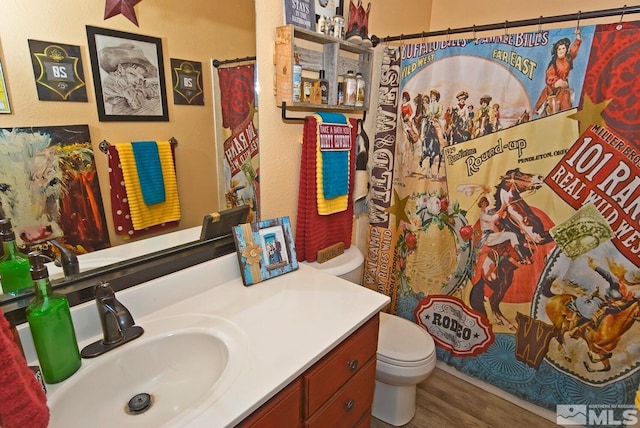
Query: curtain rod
pixel 512 24
pixel 217 63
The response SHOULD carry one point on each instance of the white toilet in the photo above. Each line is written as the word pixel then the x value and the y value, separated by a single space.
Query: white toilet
pixel 406 352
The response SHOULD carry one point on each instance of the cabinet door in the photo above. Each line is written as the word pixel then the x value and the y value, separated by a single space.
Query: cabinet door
pixel 342 364
pixel 347 407
pixel 283 410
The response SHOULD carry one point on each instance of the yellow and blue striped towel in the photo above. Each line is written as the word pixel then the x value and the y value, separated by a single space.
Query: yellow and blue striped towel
pixel 143 215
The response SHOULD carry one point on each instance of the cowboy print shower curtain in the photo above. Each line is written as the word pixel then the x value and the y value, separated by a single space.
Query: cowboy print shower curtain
pixel 241 157
pixel 505 209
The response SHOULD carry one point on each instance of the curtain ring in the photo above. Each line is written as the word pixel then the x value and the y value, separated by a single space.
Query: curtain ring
pixel 540 25
pixel 506 30
pixel 619 26
pixel 448 35
pixel 401 40
pixel 474 32
pixel 423 40
pixel 578 23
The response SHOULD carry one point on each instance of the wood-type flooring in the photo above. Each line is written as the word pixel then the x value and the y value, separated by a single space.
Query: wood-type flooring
pixel 444 400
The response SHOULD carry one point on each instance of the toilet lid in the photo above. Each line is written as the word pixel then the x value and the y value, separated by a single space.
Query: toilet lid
pixel 346 262
pixel 403 341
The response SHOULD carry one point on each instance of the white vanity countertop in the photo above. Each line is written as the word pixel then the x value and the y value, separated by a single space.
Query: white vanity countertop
pixel 290 322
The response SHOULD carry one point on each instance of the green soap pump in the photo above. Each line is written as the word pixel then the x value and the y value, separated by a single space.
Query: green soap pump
pixel 51 326
pixel 14 266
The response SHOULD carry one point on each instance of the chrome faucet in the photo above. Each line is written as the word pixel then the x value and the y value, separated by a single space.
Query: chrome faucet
pixel 118 326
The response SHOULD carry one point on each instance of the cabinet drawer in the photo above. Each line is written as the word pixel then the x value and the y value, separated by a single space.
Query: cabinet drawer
pixel 281 411
pixel 347 407
pixel 365 421
pixel 342 364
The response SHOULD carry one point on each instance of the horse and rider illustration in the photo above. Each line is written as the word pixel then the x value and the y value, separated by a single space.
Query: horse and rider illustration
pixel 600 317
pixel 511 233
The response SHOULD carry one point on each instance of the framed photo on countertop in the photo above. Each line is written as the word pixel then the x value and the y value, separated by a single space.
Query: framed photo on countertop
pixel 265 249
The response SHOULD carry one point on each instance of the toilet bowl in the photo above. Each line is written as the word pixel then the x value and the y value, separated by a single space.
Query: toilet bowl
pixel 406 352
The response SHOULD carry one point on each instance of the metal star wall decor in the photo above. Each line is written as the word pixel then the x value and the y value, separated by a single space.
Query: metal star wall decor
pixel 124 7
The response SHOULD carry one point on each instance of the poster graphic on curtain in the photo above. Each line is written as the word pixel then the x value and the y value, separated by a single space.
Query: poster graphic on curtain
pixel 515 202
pixel 241 149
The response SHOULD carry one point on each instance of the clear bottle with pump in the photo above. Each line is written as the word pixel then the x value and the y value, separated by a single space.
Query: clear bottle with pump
pixel 14 266
pixel 360 90
pixel 51 326
pixel 350 89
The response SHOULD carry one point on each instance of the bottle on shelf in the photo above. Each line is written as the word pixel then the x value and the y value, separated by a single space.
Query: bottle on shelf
pixel 350 88
pixel 338 24
pixel 316 92
pixel 321 25
pixel 297 79
pixel 360 90
pixel 307 84
pixel 324 88
pixel 51 326
pixel 14 266
pixel 340 99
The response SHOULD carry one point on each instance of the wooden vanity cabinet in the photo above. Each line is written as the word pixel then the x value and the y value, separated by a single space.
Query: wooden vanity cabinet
pixel 336 392
pixel 283 410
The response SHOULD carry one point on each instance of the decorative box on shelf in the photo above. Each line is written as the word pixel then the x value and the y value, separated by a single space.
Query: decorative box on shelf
pixel 317 52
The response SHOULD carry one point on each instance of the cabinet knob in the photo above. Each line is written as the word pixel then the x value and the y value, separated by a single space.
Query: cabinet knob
pixel 353 365
pixel 350 405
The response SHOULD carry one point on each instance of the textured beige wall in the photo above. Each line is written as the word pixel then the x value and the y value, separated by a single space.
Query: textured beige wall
pixel 280 143
pixel 196 30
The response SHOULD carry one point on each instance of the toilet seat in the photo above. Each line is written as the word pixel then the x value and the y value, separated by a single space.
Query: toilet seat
pixel 403 343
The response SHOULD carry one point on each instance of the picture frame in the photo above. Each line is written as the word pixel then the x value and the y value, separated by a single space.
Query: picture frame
pixel 186 80
pixel 328 8
pixel 265 249
pixel 5 106
pixel 58 71
pixel 128 74
pixel 300 13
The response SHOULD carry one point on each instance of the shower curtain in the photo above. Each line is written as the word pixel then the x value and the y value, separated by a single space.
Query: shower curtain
pixel 504 210
pixel 240 151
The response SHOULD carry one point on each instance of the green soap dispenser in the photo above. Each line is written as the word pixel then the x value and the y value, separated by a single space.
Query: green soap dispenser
pixel 14 266
pixel 51 326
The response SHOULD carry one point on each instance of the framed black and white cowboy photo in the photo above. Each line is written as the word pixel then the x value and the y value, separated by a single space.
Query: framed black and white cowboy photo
pixel 128 74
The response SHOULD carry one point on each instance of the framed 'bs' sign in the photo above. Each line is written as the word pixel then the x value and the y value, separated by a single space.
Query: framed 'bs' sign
pixel 186 77
pixel 58 71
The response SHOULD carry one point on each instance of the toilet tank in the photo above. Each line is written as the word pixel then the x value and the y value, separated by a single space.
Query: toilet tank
pixel 348 265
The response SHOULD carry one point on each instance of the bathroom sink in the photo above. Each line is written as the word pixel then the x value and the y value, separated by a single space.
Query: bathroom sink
pixel 184 363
